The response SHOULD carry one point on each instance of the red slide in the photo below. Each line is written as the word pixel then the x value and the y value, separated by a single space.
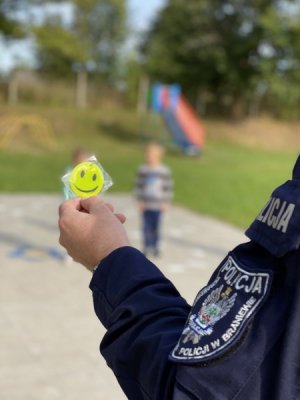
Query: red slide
pixel 190 123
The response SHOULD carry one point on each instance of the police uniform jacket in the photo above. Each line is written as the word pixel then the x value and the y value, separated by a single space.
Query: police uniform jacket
pixel 241 338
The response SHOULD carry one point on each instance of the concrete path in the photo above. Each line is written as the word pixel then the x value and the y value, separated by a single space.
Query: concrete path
pixel 49 334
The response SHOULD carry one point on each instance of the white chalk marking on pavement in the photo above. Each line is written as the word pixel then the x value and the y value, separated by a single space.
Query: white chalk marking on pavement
pixel 175 268
pixel 198 253
pixel 197 264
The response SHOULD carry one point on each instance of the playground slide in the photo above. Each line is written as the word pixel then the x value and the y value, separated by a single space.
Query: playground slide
pixel 185 126
pixel 176 131
pixel 190 123
pixel 180 118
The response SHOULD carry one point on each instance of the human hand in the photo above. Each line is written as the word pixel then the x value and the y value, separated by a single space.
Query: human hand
pixel 90 231
pixel 165 207
pixel 141 206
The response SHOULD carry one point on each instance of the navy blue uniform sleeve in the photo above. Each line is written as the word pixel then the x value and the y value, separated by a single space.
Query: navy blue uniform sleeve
pixel 144 316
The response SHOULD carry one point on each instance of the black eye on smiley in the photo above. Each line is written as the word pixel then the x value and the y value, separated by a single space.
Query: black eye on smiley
pixel 82 175
pixel 85 179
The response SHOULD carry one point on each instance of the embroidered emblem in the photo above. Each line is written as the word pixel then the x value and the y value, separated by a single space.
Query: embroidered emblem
pixel 221 312
pixel 215 307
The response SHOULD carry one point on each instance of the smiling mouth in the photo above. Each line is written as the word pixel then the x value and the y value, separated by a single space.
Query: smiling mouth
pixel 86 191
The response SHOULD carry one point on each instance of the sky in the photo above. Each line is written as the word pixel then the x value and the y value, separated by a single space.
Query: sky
pixel 141 13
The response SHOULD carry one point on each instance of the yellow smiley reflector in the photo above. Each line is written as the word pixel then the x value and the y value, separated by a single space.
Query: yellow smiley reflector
pixel 86 179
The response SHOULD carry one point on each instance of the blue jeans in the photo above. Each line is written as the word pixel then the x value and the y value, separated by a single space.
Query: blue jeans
pixel 151 228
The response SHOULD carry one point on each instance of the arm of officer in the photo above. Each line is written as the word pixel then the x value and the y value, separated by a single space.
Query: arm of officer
pixel 141 310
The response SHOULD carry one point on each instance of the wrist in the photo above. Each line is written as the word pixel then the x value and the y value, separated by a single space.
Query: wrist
pixel 93 265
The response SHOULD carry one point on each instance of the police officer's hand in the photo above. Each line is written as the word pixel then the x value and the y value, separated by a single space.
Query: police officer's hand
pixel 90 231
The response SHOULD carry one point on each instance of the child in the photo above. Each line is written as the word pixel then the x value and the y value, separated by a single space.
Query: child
pixel 154 191
pixel 78 156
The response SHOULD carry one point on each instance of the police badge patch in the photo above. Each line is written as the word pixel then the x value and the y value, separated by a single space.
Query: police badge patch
pixel 221 312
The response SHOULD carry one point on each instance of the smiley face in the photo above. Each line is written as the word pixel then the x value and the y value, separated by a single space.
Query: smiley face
pixel 86 179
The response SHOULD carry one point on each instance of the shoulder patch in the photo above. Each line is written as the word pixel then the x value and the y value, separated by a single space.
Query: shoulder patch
pixel 221 312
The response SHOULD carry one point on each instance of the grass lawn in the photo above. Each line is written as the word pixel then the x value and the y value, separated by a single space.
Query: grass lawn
pixel 229 181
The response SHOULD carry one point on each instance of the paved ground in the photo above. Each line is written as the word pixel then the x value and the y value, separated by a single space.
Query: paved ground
pixel 49 335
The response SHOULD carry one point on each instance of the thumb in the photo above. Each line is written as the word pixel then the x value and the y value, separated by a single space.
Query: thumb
pixel 90 204
pixel 69 206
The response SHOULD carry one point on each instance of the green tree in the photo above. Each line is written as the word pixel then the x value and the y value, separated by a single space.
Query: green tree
pixel 223 49
pixel 280 68
pixel 10 27
pixel 94 37
pixel 58 48
pixel 101 25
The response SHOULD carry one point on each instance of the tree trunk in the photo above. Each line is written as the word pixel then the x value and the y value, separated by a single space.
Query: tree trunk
pixel 143 95
pixel 237 108
pixel 13 88
pixel 81 89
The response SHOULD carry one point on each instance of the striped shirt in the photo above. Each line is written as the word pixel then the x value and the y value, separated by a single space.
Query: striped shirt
pixel 154 186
